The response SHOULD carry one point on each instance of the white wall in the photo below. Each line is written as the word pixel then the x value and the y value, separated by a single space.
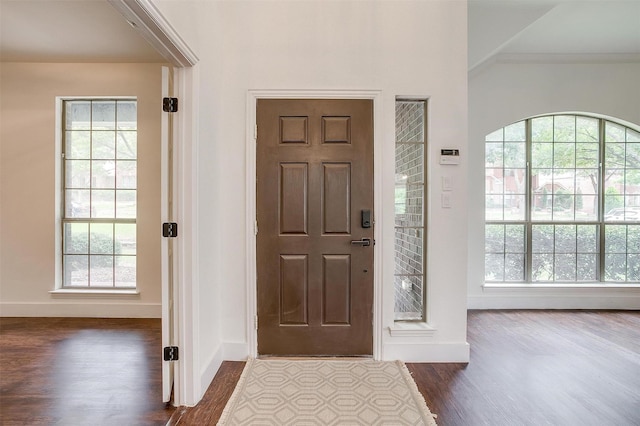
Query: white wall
pixel 27 186
pixel 502 93
pixel 399 48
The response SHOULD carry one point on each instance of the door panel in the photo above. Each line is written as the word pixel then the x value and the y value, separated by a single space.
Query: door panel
pixel 314 177
pixel 293 198
pixel 294 284
pixel 336 289
pixel 336 198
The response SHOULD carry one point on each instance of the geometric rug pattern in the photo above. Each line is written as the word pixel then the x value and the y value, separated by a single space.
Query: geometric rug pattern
pixel 284 392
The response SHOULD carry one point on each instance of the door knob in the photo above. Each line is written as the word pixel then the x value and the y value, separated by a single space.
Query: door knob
pixel 363 242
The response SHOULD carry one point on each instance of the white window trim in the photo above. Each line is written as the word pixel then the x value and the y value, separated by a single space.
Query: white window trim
pixel 419 327
pixel 81 292
pixel 59 290
pixel 425 327
pixel 565 285
pixel 412 329
pixel 533 285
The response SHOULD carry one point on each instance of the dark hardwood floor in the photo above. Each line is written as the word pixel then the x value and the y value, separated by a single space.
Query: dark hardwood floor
pixel 573 368
pixel 527 368
pixel 81 371
pixel 561 368
pixel 209 410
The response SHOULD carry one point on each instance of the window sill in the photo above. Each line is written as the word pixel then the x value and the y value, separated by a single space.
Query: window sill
pixel 120 293
pixel 411 329
pixel 563 286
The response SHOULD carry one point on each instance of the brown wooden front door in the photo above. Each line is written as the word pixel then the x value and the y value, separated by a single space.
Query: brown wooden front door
pixel 315 271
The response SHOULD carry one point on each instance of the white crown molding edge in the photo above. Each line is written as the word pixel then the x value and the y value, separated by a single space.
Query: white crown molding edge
pixel 567 58
pixel 554 59
pixel 145 17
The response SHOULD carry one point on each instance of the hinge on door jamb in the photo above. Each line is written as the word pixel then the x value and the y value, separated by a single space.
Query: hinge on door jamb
pixel 255 133
pixel 170 229
pixel 255 228
pixel 170 353
pixel 170 104
pixel 255 322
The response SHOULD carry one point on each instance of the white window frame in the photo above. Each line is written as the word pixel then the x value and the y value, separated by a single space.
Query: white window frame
pixel 528 222
pixel 425 196
pixel 59 289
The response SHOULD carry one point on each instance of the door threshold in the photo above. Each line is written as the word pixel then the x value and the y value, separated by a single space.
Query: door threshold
pixel 316 357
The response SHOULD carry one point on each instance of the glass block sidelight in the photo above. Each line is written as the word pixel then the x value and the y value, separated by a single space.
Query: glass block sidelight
pixel 410 198
pixel 408 297
pixel 410 121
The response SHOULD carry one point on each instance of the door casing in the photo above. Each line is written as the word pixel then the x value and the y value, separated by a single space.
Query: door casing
pixel 167 214
pixel 251 209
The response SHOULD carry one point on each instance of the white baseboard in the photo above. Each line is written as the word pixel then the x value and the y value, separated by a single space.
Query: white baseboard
pixel 209 371
pixel 560 298
pixel 236 351
pixel 427 352
pixel 83 309
pixel 225 352
pixel 409 352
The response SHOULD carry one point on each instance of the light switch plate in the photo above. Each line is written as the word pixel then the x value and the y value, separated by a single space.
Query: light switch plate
pixel 446 200
pixel 447 184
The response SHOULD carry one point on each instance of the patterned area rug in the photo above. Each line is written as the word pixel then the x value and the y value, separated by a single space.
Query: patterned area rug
pixel 326 392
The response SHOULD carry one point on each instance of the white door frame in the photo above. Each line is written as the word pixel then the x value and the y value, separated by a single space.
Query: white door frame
pixel 168 268
pixel 153 27
pixel 187 386
pixel 179 299
pixel 251 209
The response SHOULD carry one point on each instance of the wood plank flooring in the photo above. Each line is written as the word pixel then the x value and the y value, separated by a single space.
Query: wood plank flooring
pixel 81 371
pixel 570 368
pixel 561 368
pixel 527 368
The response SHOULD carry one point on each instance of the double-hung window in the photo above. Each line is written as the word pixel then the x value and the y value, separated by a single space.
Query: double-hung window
pixel 562 197
pixel 99 166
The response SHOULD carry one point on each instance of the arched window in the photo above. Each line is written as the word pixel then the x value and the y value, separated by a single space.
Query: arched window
pixel 562 201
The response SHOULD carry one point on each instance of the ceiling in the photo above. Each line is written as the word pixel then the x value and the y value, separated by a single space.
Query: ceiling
pixel 553 28
pixel 69 31
pixel 93 31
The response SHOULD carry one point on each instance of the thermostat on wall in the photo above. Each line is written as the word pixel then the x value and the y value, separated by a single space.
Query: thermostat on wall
pixel 450 156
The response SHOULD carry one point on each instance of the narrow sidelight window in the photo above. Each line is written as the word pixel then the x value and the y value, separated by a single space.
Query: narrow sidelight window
pixel 410 222
pixel 99 167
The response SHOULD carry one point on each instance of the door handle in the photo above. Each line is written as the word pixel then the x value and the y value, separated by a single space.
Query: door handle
pixel 363 242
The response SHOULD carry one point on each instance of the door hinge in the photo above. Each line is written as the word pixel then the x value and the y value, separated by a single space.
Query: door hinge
pixel 255 228
pixel 255 133
pixel 171 353
pixel 170 229
pixel 170 104
pixel 255 322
